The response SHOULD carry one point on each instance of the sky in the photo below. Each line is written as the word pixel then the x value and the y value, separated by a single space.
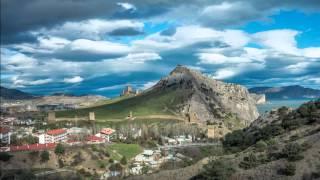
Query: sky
pixel 100 46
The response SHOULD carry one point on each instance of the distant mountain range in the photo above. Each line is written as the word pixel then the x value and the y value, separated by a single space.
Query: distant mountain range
pixel 14 94
pixel 286 92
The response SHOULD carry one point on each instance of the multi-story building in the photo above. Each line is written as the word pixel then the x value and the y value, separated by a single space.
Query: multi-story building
pixel 53 136
pixel 4 135
pixel 106 133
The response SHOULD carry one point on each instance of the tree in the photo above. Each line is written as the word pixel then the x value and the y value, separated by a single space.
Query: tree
pixel 249 161
pixel 45 156
pixel 59 150
pixel 289 170
pixel 4 156
pixel 234 139
pixel 217 170
pixel 123 161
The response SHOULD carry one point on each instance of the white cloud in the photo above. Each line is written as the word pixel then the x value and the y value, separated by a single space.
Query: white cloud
pixel 311 52
pixel 17 82
pixel 189 35
pixel 98 47
pixel 229 72
pixel 95 29
pixel 213 58
pixel 17 61
pixel 52 43
pixel 114 87
pixel 224 73
pixel 75 79
pixel 235 38
pixel 127 6
pixel 149 84
pixel 228 14
pixel 282 40
pixel 298 68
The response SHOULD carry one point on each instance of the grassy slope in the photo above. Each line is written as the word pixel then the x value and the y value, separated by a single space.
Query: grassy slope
pixel 127 150
pixel 150 103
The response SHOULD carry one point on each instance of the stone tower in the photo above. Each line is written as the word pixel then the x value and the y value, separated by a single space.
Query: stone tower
pixel 92 116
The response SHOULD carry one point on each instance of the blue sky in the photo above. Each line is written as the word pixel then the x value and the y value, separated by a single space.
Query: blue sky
pixel 98 47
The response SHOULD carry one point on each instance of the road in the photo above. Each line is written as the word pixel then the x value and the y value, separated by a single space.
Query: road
pixel 188 145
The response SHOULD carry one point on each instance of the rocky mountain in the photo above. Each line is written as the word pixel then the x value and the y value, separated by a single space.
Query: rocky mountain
pixel 207 99
pixel 286 92
pixel 187 95
pixel 14 94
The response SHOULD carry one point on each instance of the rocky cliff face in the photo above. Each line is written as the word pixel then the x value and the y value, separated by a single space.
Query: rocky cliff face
pixel 258 98
pixel 210 101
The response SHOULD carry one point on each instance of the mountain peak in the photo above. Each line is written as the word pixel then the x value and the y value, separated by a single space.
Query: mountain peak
pixel 180 69
pixel 206 99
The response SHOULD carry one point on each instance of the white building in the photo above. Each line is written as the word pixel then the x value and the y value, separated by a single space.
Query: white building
pixel 106 133
pixel 4 135
pixel 53 136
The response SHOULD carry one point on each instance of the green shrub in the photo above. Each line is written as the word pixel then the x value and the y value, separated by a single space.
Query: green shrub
pixel 4 156
pixel 235 138
pixel 59 150
pixel 292 152
pixel 45 156
pixel 288 170
pixel 123 161
pixel 249 162
pixel 217 170
pixel 94 148
pixel 111 160
pixel 101 164
pixel 261 146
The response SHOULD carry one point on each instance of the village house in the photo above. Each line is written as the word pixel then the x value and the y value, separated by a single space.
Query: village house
pixel 106 133
pixel 5 135
pixel 77 130
pixel 53 136
pixel 184 139
pixel 95 140
pixel 151 158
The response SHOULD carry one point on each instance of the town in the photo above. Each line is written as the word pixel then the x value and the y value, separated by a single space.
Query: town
pixel 25 130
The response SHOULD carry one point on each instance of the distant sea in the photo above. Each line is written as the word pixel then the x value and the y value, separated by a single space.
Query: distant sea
pixel 274 104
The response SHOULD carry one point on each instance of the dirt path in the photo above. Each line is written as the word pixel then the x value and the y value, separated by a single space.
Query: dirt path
pixel 165 117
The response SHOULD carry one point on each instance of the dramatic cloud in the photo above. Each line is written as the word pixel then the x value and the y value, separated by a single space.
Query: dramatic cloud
pixel 100 46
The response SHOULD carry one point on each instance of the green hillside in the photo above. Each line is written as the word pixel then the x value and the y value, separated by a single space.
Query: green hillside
pixel 149 103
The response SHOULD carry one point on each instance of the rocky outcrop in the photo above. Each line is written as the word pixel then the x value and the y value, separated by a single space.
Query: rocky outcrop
pixel 209 101
pixel 258 98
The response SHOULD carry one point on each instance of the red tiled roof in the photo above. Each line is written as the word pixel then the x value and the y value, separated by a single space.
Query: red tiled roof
pixel 94 138
pixel 55 132
pixel 4 130
pixel 33 147
pixel 107 131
